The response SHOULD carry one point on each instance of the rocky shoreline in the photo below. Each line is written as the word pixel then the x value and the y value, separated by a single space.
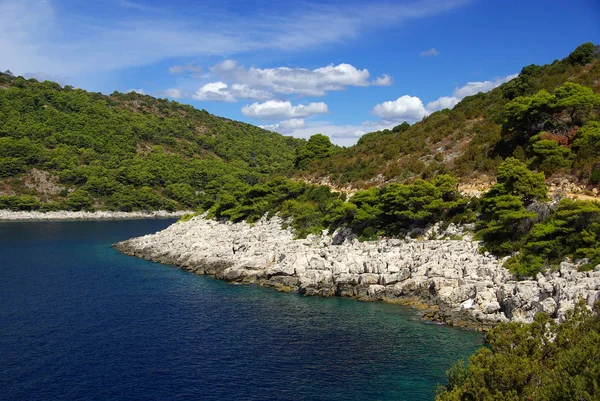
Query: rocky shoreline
pixel 450 279
pixel 63 215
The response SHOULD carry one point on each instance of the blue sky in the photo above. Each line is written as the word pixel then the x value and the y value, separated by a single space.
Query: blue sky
pixel 341 68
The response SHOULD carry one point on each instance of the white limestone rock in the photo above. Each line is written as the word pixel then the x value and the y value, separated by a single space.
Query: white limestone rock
pixel 449 273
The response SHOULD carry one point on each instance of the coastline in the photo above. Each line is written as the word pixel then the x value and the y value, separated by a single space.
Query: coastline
pixel 64 215
pixel 449 280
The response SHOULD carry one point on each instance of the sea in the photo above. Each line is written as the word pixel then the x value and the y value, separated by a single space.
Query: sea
pixel 81 321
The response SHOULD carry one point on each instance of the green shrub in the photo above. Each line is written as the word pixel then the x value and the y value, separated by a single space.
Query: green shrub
pixel 538 361
pixel 595 176
pixel 25 203
pixel 79 200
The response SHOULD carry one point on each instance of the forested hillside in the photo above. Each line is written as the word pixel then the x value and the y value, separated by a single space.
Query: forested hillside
pixel 547 117
pixel 65 148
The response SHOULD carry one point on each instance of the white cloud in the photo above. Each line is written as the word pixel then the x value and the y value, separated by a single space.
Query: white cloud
pixel 173 93
pixel 270 127
pixel 214 91
pixel 286 126
pixel 343 135
pixel 384 80
pixel 23 27
pixel 411 108
pixel 225 66
pixel 473 88
pixel 221 92
pixel 140 91
pixel 137 6
pixel 243 91
pixel 191 69
pixel 269 83
pixel 347 21
pixel 276 109
pixel 429 53
pixel 406 107
pixel 238 82
pixel 444 102
pixel 293 123
pixel 36 36
pixel 352 134
pixel 301 81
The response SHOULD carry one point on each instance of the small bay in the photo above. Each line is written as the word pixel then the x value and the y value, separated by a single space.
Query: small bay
pixel 79 320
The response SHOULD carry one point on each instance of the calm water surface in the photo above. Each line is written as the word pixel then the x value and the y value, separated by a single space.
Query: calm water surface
pixel 78 320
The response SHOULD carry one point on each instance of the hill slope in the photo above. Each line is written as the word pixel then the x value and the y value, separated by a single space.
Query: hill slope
pixel 69 148
pixel 65 148
pixel 528 117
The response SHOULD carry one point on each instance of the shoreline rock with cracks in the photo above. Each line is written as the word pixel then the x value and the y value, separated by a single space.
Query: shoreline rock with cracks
pixel 460 285
pixel 64 215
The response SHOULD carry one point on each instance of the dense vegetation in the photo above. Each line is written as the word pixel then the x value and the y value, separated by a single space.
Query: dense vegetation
pixel 123 151
pixel 538 361
pixel 546 117
pixel 516 219
pixel 572 230
pixel 396 209
pixel 65 148
pixel 318 147
pixel 513 219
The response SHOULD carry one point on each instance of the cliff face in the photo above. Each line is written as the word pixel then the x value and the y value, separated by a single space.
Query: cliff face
pixel 458 284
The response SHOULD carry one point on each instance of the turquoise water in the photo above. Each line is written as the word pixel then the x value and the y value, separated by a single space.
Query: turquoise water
pixel 78 320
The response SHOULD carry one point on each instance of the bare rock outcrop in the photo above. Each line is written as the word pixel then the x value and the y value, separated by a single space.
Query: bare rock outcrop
pixel 459 284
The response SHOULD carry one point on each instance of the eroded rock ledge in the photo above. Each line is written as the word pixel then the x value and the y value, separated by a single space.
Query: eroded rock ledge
pixel 459 285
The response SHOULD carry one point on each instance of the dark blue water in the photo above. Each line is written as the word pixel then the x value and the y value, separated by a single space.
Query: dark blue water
pixel 78 320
